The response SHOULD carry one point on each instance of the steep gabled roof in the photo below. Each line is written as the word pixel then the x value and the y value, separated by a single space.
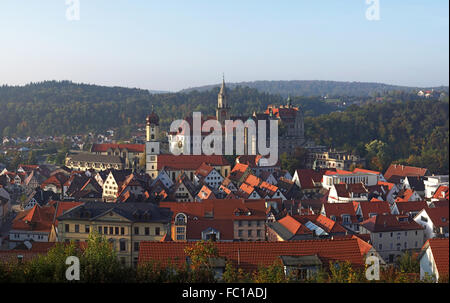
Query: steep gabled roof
pixel 378 208
pixel 403 171
pixel 439 216
pixel 406 207
pixel 387 223
pixel 441 193
pixel 439 249
pixel 294 226
pixel 39 218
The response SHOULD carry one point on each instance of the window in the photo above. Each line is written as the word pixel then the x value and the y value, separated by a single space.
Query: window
pixel 116 230
pixel 77 228
pixel 157 231
pixel 250 234
pixel 381 235
pixel 136 230
pixel 111 230
pixel 180 237
pixel 87 229
pixel 122 230
pixel 105 230
pixel 258 233
pixel 136 246
pixel 249 223
pixel 67 228
pixel 99 229
pixel 380 246
pixel 123 245
pixel 147 231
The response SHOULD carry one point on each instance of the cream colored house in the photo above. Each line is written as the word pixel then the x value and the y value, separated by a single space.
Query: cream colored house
pixel 124 225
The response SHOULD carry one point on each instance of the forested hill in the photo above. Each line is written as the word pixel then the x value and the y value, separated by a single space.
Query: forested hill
pixel 414 133
pixel 319 88
pixel 57 108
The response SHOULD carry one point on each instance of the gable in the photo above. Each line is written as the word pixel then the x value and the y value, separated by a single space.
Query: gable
pixel 111 216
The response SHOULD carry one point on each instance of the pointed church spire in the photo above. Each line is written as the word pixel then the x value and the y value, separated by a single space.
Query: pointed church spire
pixel 223 90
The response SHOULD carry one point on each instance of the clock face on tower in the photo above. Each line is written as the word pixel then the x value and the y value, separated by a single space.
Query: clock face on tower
pixel 180 144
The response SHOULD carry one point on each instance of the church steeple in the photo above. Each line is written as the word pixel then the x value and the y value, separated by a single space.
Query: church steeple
pixel 222 98
pixel 222 112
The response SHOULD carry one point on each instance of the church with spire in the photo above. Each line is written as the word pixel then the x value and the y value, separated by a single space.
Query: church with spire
pixel 291 129
pixel 222 110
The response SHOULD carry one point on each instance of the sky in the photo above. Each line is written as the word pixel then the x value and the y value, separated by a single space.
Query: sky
pixel 175 44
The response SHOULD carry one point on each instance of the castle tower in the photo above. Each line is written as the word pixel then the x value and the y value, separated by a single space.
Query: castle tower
pixel 222 111
pixel 152 148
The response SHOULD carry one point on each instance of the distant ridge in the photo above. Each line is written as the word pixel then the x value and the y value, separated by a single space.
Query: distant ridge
pixel 310 88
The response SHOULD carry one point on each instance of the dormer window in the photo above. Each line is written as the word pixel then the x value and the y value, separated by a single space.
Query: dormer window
pixel 181 219
pixel 346 219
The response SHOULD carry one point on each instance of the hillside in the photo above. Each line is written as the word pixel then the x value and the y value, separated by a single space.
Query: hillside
pixel 319 88
pixel 57 108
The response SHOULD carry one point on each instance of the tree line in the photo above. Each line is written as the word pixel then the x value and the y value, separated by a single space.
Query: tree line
pixel 412 133
pixel 99 264
pixel 65 108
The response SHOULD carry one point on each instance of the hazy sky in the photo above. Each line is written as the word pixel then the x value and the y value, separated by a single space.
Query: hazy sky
pixel 175 44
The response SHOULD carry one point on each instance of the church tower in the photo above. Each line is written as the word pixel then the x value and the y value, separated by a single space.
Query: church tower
pixel 152 148
pixel 222 111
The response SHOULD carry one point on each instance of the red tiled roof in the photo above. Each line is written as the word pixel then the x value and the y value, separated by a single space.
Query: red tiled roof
pixel 378 208
pixel 39 218
pixel 407 207
pixel 360 170
pixel 440 251
pixel 338 209
pixel 405 195
pixel 388 184
pixel 386 223
pixel 206 193
pixel 220 209
pixel 189 162
pixel 204 170
pixel 253 180
pixel 134 148
pixel 250 255
pixel 307 178
pixel 344 190
pixel 441 193
pixel 294 226
pixel 403 171
pixel 63 207
pixel 58 180
pixel 439 216
pixel 325 223
pixel 195 228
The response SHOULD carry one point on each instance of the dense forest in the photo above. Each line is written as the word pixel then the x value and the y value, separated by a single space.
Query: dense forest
pixel 57 108
pixel 413 133
pixel 320 88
